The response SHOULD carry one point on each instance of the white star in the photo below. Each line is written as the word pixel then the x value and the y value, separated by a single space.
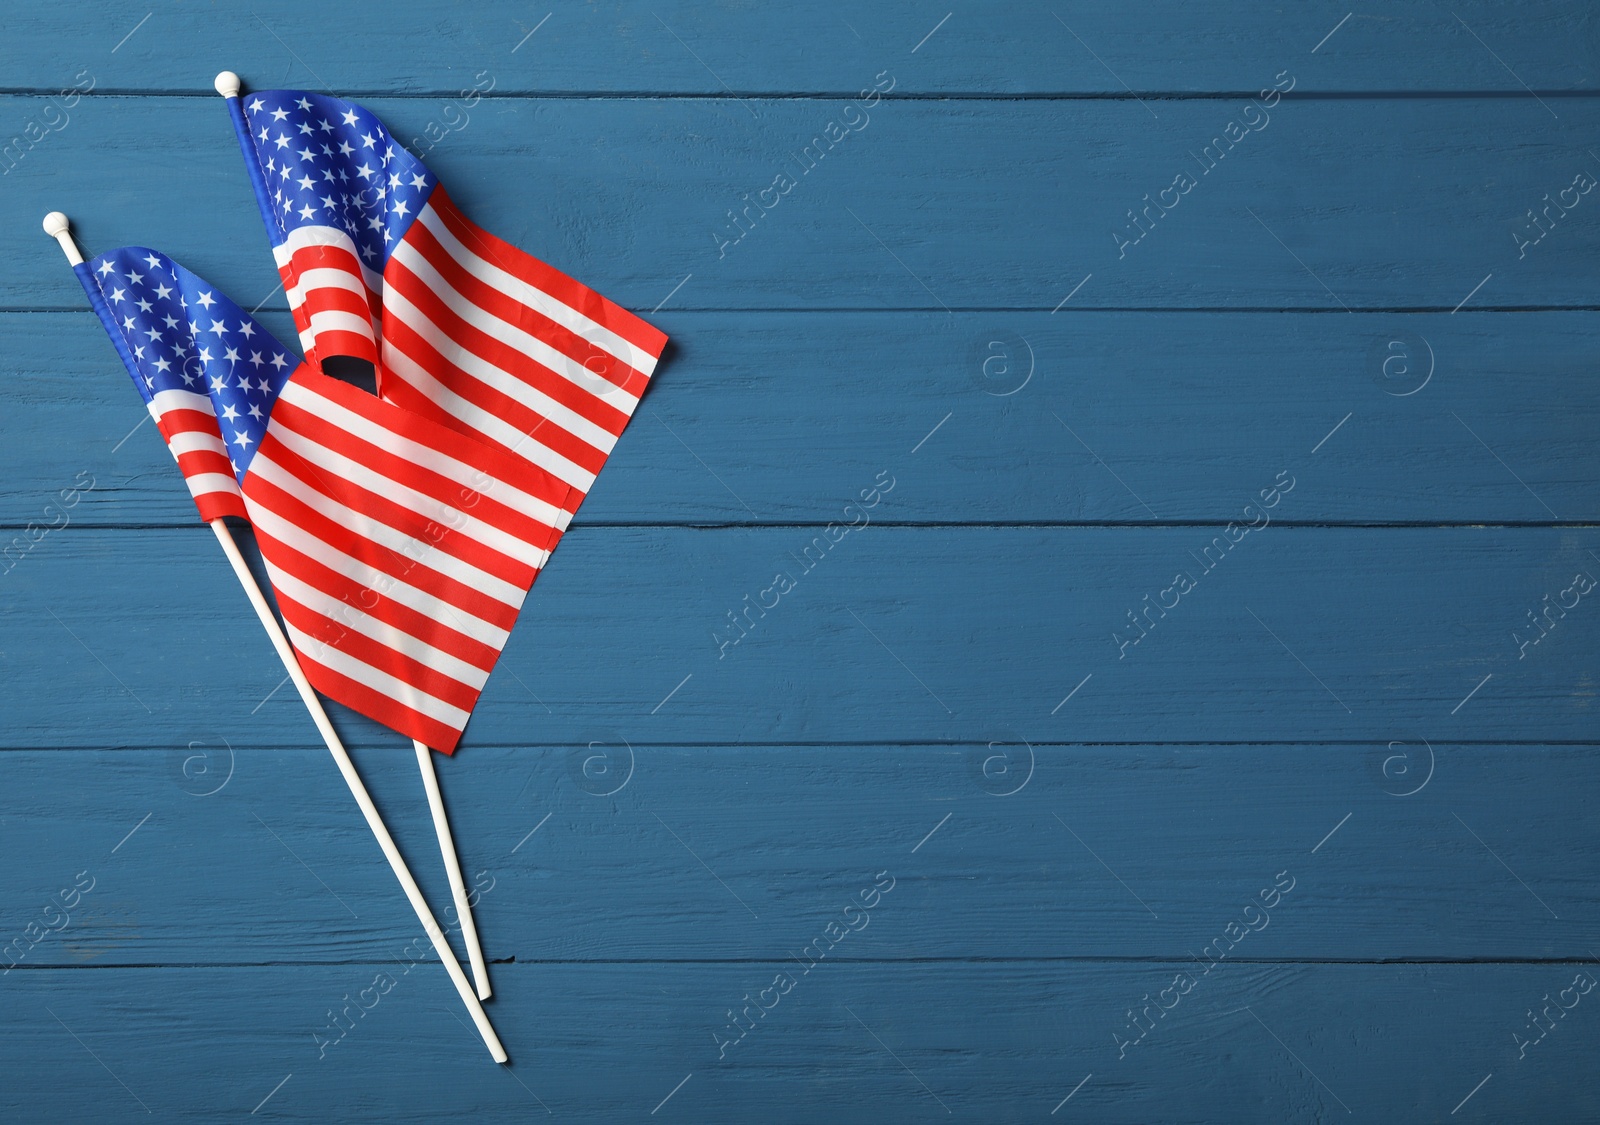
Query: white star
pixel 229 414
pixel 350 117
pixel 205 355
pixel 206 300
pixel 255 106
pixel 368 140
pixel 255 412
pixel 279 114
pixel 217 384
pixel 325 126
pixel 153 334
pixel 281 141
pixel 144 306
pixel 328 203
pixel 135 277
pixel 279 362
pixel 364 172
pixel 170 321
pixel 138 351
pixel 345 149
pixel 155 263
pixel 302 103
pixel 161 365
pixel 162 291
pixel 117 294
pixel 305 182
pixel 105 268
pixel 305 127
pixel 255 358
pixel 241 440
pixel 400 208
pixel 306 212
pixel 218 327
pixel 394 180
pixel 418 181
pixel 375 223
pixel 247 329
pixel 263 133
pixel 264 386
pixel 307 154
pixel 244 384
pixel 127 324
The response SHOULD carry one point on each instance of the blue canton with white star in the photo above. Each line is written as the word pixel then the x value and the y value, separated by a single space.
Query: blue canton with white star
pixel 181 334
pixel 328 163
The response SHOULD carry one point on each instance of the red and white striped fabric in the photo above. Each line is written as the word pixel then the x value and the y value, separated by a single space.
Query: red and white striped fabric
pixel 463 328
pixel 400 551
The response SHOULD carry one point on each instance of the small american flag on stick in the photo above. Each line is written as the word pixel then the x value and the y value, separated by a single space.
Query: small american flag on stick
pixel 400 549
pixel 463 328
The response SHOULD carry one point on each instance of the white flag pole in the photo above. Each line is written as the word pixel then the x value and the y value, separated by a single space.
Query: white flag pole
pixel 452 868
pixel 56 225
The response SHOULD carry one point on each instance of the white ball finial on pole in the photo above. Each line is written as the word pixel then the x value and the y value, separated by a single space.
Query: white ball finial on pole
pixel 227 84
pixel 56 226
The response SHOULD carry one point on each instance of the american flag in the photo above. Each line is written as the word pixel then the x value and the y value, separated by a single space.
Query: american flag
pixel 400 549
pixel 463 328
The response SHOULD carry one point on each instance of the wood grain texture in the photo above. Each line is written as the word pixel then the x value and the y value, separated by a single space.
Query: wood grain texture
pixel 697 49
pixel 1330 204
pixel 607 851
pixel 765 418
pixel 892 634
pixel 917 1042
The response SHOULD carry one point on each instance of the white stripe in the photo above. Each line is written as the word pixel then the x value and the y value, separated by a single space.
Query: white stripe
pixel 337 320
pixel 491 426
pixel 467 624
pixel 367 527
pixel 380 682
pixel 499 379
pixel 196 441
pixel 325 277
pixel 302 238
pixel 164 401
pixel 340 613
pixel 468 476
pixel 513 337
pixel 420 503
pixel 203 483
pixel 563 314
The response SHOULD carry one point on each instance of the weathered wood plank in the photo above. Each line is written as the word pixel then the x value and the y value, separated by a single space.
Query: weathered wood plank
pixel 888 634
pixel 847 1042
pixel 679 47
pixel 783 417
pixel 1323 203
pixel 594 852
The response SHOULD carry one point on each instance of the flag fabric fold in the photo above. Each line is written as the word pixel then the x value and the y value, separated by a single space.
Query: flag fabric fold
pixel 400 549
pixel 462 327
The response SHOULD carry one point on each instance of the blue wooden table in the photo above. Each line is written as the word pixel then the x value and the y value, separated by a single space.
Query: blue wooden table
pixel 1095 619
